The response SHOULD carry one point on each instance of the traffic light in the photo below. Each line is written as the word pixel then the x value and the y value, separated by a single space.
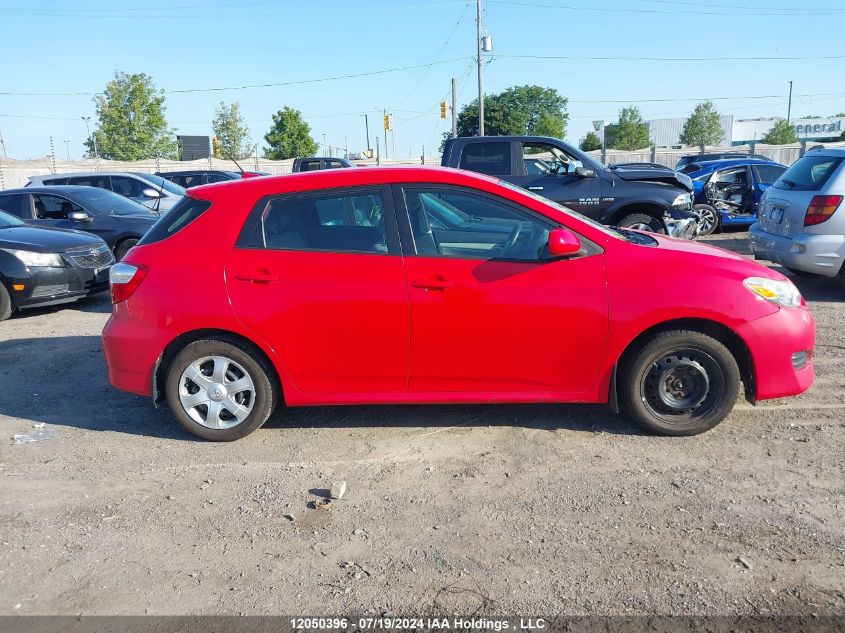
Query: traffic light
pixel 388 122
pixel 444 109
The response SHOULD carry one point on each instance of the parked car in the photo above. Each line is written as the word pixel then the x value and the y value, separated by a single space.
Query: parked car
pixel 641 198
pixel 154 192
pixel 801 221
pixel 350 287
pixel 728 192
pixel 119 221
pixel 197 177
pixel 40 267
pixel 316 163
pixel 684 163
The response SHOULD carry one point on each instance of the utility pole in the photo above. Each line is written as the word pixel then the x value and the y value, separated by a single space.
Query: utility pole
pixel 385 126
pixel 378 153
pixel 3 145
pixel 454 108
pixel 789 107
pixel 367 126
pixel 87 119
pixel 67 148
pixel 480 70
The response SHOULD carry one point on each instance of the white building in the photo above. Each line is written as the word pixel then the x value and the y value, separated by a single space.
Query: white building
pixel 667 132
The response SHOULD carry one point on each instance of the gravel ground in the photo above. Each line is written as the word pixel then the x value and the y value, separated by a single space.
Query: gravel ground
pixel 493 509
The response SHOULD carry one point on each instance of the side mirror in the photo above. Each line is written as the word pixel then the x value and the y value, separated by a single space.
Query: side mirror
pixel 149 192
pixel 563 242
pixel 585 172
pixel 78 216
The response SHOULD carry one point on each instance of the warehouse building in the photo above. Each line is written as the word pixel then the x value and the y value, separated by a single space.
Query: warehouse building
pixel 667 132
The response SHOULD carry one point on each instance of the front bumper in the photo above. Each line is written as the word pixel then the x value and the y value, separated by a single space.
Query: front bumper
pixel 810 252
pixel 45 286
pixel 772 341
pixel 686 229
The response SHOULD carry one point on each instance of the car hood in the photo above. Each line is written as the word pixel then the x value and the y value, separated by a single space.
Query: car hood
pixel 720 256
pixel 45 240
pixel 666 176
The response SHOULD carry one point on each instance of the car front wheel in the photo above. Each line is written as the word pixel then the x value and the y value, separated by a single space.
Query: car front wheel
pixel 679 382
pixel 5 303
pixel 220 390
pixel 708 218
pixel 641 222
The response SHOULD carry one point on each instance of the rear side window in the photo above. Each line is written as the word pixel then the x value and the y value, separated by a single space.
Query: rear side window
pixel 12 204
pixel 87 181
pixel 309 165
pixel 690 167
pixel 767 174
pixel 180 215
pixel 493 159
pixel 808 173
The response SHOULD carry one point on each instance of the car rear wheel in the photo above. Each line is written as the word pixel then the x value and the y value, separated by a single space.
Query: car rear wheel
pixel 641 222
pixel 123 248
pixel 679 382
pixel 5 303
pixel 220 390
pixel 708 218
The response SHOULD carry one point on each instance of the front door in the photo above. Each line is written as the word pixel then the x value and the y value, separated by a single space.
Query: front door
pixel 491 311
pixel 321 281
pixel 550 172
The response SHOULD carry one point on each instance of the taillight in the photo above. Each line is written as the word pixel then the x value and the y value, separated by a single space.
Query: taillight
pixel 821 208
pixel 124 280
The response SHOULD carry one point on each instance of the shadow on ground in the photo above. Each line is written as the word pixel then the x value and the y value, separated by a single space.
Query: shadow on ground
pixel 63 381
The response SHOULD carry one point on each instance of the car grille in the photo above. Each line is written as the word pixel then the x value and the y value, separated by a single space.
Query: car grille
pixel 93 258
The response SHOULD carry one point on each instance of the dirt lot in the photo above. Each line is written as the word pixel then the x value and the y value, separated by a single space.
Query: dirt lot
pixel 500 509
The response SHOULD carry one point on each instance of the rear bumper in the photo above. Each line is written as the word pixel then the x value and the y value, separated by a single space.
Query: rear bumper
pixel 810 252
pixel 132 350
pixel 772 341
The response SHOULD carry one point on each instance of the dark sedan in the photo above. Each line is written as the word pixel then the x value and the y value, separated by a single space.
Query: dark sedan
pixel 41 267
pixel 119 221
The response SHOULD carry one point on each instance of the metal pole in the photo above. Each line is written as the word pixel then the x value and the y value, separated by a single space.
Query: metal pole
pixel 378 153
pixel 454 108
pixel 480 71
pixel 384 116
pixel 603 144
pixel 67 148
pixel 3 145
pixel 789 107
pixel 367 126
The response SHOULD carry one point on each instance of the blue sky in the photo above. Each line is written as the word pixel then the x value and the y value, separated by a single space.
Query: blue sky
pixel 77 46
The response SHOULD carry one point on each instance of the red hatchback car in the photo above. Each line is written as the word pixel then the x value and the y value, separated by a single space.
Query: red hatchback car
pixel 424 285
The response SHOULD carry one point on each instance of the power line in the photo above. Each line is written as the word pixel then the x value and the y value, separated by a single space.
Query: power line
pixel 653 11
pixel 298 82
pixel 671 59
pixel 786 10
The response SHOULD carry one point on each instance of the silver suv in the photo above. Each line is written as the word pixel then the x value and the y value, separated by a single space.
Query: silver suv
pixel 801 223
pixel 152 191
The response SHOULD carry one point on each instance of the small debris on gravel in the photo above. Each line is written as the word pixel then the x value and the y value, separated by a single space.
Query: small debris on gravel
pixel 338 489
pixel 743 562
pixel 289 517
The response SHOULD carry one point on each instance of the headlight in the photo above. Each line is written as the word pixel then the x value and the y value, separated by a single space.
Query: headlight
pixel 31 258
pixel 782 293
pixel 682 200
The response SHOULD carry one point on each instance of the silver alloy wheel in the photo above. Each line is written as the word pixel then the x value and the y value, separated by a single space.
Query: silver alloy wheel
pixel 216 392
pixel 706 220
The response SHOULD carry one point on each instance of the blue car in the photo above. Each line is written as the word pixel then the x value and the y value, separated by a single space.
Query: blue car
pixel 727 192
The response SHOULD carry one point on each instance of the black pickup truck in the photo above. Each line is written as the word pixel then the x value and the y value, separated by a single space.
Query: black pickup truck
pixel 647 198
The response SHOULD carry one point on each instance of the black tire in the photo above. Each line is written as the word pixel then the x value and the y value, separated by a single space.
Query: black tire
pixel 6 307
pixel 712 383
pixel 266 391
pixel 711 225
pixel 123 248
pixel 642 220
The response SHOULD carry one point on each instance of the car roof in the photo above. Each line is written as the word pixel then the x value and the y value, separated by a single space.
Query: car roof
pixel 73 174
pixel 839 152
pixel 53 189
pixel 732 162
pixel 330 178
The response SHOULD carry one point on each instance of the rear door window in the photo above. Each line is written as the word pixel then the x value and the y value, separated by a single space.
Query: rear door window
pixel 90 181
pixel 49 207
pixel 808 173
pixel 128 187
pixel 767 174
pixel 493 158
pixel 12 203
pixel 309 165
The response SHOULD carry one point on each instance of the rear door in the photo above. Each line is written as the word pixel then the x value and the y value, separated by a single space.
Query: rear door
pixel 786 201
pixel 550 172
pixel 320 278
pixel 764 177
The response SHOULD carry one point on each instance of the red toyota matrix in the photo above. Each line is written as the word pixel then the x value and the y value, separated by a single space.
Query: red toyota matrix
pixel 422 285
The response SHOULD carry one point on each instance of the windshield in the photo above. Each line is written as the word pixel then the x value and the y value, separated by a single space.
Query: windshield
pixel 566 210
pixel 108 202
pixel 163 183
pixel 9 220
pixel 808 173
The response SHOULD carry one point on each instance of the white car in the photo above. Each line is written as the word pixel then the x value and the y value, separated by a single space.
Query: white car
pixel 801 223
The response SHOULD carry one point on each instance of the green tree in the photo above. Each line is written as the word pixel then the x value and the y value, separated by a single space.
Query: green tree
pixel 703 126
pixel 782 133
pixel 232 132
pixel 517 110
pixel 131 122
pixel 631 133
pixel 289 136
pixel 591 142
